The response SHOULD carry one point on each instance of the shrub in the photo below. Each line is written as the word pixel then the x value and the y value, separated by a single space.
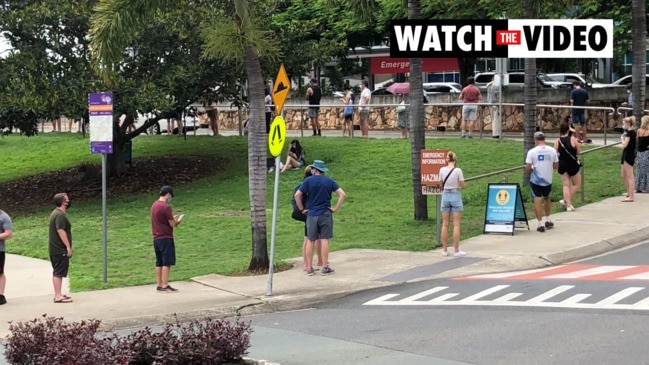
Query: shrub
pixel 50 340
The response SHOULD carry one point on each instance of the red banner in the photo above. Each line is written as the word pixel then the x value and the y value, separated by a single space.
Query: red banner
pixel 387 65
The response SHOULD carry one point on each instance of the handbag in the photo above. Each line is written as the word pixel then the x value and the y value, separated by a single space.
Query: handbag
pixel 401 108
pixel 568 152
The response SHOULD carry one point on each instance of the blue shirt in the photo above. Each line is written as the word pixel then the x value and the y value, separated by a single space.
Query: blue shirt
pixel 318 189
pixel 579 96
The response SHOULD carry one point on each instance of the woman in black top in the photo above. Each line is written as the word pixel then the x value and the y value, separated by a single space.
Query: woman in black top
pixel 568 149
pixel 628 157
pixel 642 171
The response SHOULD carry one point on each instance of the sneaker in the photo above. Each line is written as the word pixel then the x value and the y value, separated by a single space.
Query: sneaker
pixel 459 253
pixel 326 270
pixel 570 209
pixel 3 300
pixel 562 202
pixel 470 135
pixel 540 228
pixel 549 225
pixel 444 253
pixel 310 272
pixel 168 289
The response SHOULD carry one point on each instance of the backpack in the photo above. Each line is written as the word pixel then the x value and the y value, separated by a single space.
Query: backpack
pixel 297 215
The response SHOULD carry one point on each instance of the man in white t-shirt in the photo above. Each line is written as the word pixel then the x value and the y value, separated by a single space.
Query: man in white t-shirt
pixel 541 160
pixel 364 113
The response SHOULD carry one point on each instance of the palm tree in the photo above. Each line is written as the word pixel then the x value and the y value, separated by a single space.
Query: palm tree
pixel 529 92
pixel 639 51
pixel 417 123
pixel 234 38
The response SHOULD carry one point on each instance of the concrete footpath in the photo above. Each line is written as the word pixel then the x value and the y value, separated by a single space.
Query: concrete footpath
pixel 590 230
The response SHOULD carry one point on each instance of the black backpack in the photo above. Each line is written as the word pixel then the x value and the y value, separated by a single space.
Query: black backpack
pixel 297 215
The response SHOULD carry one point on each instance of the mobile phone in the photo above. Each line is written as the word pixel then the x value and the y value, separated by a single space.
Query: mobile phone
pixel 180 217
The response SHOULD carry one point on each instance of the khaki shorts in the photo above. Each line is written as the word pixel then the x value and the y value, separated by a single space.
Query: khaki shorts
pixel 364 114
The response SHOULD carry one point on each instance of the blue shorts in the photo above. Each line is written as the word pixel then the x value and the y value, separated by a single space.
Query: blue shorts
pixel 165 252
pixel 452 201
pixel 578 117
pixel 539 191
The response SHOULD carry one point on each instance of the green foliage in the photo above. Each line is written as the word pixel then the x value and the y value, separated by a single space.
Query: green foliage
pixel 215 234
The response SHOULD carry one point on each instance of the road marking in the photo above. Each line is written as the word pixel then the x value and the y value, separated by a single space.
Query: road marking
pixel 573 272
pixel 507 300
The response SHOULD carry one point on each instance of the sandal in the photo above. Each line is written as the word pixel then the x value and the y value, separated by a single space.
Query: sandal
pixel 627 200
pixel 63 300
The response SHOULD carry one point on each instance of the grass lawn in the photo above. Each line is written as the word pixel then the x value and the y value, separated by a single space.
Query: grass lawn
pixel 216 236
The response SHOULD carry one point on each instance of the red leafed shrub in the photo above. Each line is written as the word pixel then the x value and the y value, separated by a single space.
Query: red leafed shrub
pixel 201 342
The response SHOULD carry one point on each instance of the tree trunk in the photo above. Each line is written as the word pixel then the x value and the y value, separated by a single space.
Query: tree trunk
pixel 639 51
pixel 257 147
pixel 466 68
pixel 417 124
pixel 529 94
pixel 115 166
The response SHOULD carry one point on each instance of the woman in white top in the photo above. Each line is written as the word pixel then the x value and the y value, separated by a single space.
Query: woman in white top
pixel 452 182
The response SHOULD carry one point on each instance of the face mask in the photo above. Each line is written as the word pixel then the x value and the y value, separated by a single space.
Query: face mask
pixel 628 91
pixel 68 204
pixel 312 171
pixel 169 200
pixel 625 127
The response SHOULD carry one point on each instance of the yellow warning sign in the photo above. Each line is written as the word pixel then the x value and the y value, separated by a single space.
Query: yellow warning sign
pixel 280 89
pixel 277 136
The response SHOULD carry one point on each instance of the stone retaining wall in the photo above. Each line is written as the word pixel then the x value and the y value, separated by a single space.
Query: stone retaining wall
pixel 383 115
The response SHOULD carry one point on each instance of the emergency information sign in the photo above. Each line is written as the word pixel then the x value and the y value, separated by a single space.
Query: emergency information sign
pixel 502 38
pixel 431 162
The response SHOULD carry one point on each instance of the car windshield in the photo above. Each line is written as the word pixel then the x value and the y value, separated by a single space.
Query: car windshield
pixel 545 78
pixel 590 80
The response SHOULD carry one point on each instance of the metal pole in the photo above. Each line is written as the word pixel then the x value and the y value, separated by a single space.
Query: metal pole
pixel 583 180
pixel 438 211
pixel 269 288
pixel 103 215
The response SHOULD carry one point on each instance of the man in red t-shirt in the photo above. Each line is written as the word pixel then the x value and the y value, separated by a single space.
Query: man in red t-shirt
pixel 162 227
pixel 470 95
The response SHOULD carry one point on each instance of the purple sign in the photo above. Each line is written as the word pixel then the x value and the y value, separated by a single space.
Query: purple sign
pixel 100 107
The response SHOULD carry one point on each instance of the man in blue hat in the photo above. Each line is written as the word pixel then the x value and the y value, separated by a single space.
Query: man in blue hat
pixel 319 213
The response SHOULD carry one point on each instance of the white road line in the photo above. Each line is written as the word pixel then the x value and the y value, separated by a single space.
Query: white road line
pixel 619 296
pixel 642 303
pixel 575 299
pixel 550 293
pixel 507 297
pixel 425 293
pixel 444 297
pixel 484 293
pixel 381 300
pixel 640 276
pixel 588 272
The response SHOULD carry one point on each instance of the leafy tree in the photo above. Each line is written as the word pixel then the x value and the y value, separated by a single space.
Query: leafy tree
pixel 238 37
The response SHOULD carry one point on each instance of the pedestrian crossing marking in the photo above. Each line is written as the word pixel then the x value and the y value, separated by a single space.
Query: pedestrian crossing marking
pixel 573 272
pixel 508 299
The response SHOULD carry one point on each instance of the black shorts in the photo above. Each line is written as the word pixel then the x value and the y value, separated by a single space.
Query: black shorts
pixel 2 258
pixel 165 252
pixel 539 191
pixel 571 168
pixel 60 265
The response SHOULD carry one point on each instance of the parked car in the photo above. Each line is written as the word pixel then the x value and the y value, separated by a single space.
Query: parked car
pixel 622 81
pixel 586 81
pixel 442 87
pixel 516 80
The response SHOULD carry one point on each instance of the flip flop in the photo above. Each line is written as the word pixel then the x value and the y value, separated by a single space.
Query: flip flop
pixel 63 300
pixel 627 201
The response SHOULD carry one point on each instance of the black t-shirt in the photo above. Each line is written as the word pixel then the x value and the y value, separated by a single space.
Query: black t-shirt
pixel 579 96
pixel 314 99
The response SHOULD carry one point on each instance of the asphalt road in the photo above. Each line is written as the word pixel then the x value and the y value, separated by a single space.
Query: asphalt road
pixel 592 312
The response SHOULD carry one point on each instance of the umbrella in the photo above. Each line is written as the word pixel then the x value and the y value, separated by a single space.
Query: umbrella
pixel 399 88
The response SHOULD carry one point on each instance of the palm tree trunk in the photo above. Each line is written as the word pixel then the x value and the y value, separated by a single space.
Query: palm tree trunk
pixel 417 123
pixel 529 94
pixel 257 147
pixel 639 51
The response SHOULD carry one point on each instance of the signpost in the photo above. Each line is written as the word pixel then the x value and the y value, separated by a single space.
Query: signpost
pixel 276 140
pixel 505 210
pixel 431 183
pixel 100 108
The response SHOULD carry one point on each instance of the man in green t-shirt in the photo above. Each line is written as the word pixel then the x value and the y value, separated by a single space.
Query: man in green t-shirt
pixel 60 246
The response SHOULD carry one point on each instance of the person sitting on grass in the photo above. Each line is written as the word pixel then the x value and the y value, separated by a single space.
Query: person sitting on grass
pixel 295 157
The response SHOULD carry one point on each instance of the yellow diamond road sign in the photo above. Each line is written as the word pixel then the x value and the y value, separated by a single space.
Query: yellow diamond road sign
pixel 280 89
pixel 277 136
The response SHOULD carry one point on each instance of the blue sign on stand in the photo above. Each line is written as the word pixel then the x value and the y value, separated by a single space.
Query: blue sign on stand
pixel 505 210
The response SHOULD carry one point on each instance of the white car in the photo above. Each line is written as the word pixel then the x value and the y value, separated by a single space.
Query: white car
pixel 442 87
pixel 586 81
pixel 627 80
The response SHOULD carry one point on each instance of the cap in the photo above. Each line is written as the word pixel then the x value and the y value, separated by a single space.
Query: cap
pixel 166 190
pixel 539 136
